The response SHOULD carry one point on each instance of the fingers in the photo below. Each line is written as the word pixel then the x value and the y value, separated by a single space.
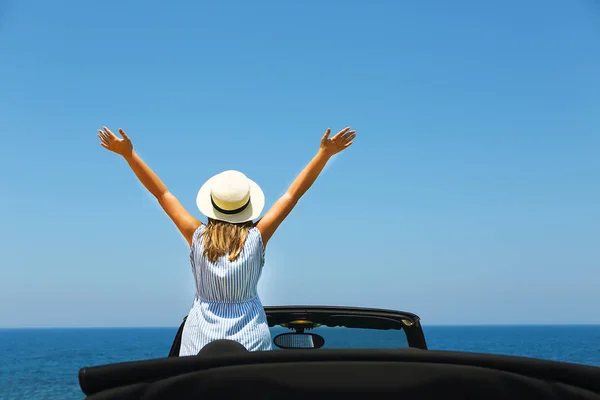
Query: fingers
pixel 107 136
pixel 103 141
pixel 122 132
pixel 342 141
pixel 109 132
pixel 346 140
pixel 340 133
pixel 348 136
pixel 104 137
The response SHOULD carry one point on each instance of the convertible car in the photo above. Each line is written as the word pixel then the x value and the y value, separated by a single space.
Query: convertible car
pixel 353 352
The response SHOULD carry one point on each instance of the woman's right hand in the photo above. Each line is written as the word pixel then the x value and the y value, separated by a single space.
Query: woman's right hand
pixel 110 141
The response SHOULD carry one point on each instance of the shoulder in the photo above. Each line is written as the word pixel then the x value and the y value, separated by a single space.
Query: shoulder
pixel 256 238
pixel 198 232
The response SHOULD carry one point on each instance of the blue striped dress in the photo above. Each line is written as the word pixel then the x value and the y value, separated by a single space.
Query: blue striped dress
pixel 226 305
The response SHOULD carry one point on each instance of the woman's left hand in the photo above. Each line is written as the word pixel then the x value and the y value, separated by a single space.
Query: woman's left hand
pixel 342 140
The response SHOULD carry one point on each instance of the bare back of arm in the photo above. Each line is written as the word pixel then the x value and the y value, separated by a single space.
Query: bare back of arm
pixel 185 222
pixel 269 223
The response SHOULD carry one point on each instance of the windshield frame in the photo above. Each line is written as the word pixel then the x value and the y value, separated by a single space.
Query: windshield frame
pixel 293 317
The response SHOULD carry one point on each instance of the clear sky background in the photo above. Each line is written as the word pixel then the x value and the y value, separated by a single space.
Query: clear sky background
pixel 471 195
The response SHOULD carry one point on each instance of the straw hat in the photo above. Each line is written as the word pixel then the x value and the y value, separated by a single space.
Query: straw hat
pixel 230 196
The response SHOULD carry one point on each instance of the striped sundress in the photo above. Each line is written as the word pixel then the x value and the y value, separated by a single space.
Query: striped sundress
pixel 226 305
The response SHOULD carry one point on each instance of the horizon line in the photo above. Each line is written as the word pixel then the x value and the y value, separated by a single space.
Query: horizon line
pixel 424 327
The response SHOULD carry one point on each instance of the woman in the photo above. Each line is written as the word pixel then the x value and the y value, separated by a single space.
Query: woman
pixel 227 254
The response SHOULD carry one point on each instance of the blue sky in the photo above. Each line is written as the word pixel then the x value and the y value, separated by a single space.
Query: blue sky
pixel 471 195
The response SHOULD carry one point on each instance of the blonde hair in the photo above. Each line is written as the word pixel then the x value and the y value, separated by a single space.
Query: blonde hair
pixel 222 238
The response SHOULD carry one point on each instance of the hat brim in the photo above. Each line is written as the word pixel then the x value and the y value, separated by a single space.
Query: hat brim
pixel 251 212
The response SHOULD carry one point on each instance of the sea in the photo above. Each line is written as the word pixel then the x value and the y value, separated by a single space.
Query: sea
pixel 43 363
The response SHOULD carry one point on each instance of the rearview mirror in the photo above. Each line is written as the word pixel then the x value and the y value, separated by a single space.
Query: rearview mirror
pixel 292 340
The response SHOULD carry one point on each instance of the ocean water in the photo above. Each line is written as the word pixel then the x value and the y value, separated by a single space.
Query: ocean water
pixel 43 363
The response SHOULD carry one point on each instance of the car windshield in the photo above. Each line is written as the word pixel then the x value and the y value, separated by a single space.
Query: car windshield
pixel 354 338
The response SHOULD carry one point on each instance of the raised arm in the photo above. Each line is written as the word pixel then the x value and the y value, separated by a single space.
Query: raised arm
pixel 184 221
pixel 269 223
